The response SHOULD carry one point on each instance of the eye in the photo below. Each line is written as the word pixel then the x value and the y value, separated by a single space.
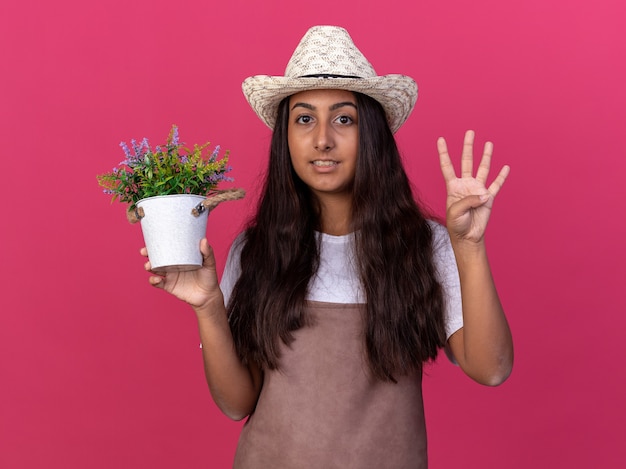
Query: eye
pixel 344 120
pixel 304 119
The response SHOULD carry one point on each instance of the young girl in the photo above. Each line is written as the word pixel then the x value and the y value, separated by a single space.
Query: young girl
pixel 340 289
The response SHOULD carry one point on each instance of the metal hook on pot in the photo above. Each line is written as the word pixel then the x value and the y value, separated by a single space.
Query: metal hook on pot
pixel 134 214
pixel 217 198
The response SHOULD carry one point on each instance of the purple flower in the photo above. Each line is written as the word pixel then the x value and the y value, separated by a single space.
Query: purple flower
pixel 145 146
pixel 175 136
pixel 216 152
pixel 126 149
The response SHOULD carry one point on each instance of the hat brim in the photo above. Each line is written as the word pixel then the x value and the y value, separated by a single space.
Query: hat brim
pixel 396 93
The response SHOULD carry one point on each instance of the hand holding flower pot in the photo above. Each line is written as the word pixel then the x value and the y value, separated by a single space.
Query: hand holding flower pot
pixel 171 190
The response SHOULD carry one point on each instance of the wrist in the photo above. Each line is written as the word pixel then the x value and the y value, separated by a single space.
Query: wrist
pixel 213 306
pixel 468 251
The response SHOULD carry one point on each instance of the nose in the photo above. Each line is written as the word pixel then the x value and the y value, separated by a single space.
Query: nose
pixel 324 140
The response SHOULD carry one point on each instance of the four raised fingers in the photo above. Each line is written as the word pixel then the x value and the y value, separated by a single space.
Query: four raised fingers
pixel 467 163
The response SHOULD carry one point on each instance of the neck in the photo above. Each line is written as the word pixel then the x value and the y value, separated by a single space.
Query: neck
pixel 336 215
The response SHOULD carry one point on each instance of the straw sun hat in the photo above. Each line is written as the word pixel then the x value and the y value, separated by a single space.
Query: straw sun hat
pixel 327 58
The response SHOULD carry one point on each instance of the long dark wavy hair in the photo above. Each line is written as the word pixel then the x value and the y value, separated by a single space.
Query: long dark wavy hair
pixel 403 323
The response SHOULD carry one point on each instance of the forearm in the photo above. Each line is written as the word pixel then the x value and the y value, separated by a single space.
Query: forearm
pixel 234 387
pixel 486 352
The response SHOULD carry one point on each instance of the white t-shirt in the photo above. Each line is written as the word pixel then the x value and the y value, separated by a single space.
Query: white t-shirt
pixel 337 279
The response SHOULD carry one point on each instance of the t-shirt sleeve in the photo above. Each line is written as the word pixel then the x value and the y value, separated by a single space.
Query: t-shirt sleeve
pixel 232 269
pixel 448 276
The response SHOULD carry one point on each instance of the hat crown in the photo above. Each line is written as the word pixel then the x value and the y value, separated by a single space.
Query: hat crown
pixel 328 50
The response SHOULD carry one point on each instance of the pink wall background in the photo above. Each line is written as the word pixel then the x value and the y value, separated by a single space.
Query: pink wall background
pixel 99 370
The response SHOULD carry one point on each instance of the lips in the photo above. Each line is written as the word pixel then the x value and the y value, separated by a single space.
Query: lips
pixel 324 163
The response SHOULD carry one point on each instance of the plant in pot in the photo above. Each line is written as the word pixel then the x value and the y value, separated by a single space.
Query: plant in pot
pixel 170 189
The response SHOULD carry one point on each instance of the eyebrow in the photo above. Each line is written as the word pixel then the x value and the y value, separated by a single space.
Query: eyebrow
pixel 332 108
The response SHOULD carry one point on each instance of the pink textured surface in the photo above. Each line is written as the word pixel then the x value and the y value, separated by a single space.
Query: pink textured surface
pixel 99 370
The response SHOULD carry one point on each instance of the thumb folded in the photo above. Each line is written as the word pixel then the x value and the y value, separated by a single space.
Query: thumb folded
pixel 468 203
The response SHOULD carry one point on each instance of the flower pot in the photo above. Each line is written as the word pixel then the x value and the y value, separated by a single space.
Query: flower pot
pixel 171 233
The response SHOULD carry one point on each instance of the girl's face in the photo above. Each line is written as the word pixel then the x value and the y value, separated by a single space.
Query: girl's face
pixel 323 140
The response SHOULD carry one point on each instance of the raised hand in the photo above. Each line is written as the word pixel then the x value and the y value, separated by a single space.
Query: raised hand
pixel 196 287
pixel 469 200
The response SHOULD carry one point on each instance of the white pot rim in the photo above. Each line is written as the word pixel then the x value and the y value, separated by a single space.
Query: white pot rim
pixel 171 195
